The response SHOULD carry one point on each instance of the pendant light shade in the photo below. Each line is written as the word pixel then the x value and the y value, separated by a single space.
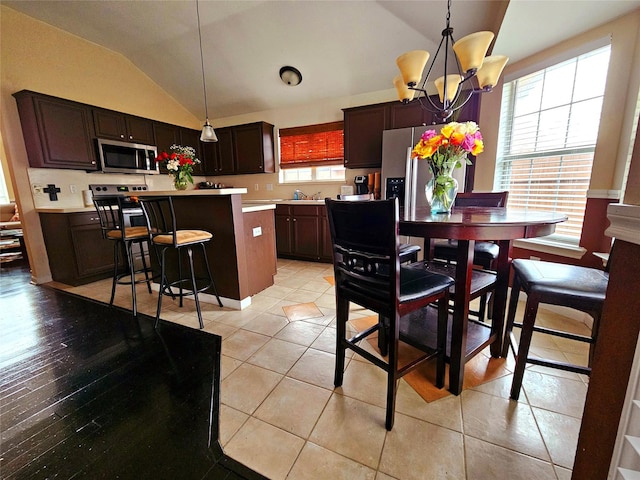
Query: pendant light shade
pixel 452 87
pixel 405 94
pixel 208 134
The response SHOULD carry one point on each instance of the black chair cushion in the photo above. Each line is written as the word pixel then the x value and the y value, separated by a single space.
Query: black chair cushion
pixel 416 283
pixel 483 252
pixel 553 281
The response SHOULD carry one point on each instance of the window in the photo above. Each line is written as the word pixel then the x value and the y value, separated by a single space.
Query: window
pixel 312 153
pixel 548 130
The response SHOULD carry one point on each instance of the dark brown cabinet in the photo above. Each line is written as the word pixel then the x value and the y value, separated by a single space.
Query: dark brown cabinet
pixel 119 126
pixel 301 232
pixel 58 133
pixel 77 252
pixel 218 158
pixel 363 127
pixel 167 135
pixel 253 148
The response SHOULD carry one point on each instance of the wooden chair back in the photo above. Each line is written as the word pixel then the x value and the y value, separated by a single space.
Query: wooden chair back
pixel 482 199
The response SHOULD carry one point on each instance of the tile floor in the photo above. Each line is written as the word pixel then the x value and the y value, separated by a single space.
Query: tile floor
pixel 282 417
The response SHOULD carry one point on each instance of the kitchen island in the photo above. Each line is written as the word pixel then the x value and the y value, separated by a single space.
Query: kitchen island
pixel 242 253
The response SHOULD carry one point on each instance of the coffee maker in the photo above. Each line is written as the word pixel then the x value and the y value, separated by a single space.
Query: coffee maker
pixel 361 182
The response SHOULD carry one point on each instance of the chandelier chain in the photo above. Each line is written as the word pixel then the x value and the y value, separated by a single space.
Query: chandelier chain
pixel 204 84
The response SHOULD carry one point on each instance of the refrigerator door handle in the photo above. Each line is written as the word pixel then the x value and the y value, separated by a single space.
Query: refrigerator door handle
pixel 408 187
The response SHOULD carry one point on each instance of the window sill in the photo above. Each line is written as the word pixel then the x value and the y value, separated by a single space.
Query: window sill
pixel 551 247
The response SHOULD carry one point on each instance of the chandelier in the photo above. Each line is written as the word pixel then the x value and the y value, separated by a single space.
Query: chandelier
pixel 454 89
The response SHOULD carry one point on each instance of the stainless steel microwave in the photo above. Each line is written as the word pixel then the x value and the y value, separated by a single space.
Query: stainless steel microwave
pixel 124 157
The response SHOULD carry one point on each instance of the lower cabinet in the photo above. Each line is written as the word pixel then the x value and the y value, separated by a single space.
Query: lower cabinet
pixel 77 252
pixel 302 232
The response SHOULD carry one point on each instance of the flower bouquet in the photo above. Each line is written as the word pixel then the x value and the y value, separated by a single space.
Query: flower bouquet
pixel 179 163
pixel 445 151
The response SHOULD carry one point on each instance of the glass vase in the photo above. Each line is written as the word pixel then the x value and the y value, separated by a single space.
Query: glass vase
pixel 441 193
pixel 180 184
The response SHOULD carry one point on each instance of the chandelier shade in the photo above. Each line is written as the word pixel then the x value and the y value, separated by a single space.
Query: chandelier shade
pixel 490 71
pixel 404 93
pixel 456 86
pixel 411 65
pixel 471 50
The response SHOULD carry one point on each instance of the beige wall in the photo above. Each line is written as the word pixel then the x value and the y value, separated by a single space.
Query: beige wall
pixel 623 84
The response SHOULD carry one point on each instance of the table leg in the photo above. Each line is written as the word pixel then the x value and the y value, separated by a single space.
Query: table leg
pixel 500 296
pixel 464 263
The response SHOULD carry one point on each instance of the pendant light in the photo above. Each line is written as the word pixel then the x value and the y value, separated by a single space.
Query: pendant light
pixel 208 134
pixel 469 54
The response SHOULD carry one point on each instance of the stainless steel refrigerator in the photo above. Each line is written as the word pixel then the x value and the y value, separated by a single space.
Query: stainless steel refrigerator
pixel 402 176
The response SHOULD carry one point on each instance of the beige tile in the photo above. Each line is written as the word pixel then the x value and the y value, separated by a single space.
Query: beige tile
pixel 563 473
pixel 242 344
pixel 553 393
pixel 501 387
pixel 502 422
pixel 315 367
pixel 220 329
pixel 265 448
pixel 446 412
pixel 230 422
pixel 266 324
pixel 326 341
pixel 383 476
pixel 302 311
pixel 277 355
pixel 326 300
pixel 366 382
pixel 278 308
pixel 560 433
pixel 307 401
pixel 228 365
pixel 247 386
pixel 486 461
pixel 440 455
pixel 278 291
pixel 301 332
pixel 303 296
pixel 317 462
pixel 237 318
pixel 263 302
pixel 318 285
pixel 351 428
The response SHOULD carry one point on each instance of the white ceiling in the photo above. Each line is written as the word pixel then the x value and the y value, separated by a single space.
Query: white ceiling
pixel 342 48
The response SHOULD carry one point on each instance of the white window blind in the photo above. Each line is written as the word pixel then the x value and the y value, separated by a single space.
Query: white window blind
pixel 548 129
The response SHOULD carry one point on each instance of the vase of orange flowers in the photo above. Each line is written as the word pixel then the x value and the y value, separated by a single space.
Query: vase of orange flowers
pixel 179 163
pixel 444 152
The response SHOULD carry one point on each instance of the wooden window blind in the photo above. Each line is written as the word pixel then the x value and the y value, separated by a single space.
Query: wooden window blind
pixel 312 145
pixel 548 129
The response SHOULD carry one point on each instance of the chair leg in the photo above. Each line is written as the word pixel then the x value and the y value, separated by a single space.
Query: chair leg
pixel 511 316
pixel 132 275
pixel 163 285
pixel 383 335
pixel 145 268
pixel 441 342
pixel 116 258
pixel 180 277
pixel 531 310
pixel 213 284
pixel 392 372
pixel 194 286
pixel 342 316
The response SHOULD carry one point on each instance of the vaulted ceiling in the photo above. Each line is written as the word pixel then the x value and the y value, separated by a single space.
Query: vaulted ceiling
pixel 342 48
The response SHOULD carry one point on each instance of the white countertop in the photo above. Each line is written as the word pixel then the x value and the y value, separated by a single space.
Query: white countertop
pixel 194 192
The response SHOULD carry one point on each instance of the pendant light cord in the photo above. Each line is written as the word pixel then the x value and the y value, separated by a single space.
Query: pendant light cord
pixel 204 84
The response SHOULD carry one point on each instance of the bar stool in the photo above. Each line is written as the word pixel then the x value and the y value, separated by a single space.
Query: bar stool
pixel 165 235
pixel 572 286
pixel 110 212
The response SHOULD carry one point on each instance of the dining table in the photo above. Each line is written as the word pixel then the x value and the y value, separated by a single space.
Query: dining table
pixel 467 225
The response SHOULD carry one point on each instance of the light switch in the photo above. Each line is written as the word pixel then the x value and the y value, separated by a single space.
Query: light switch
pixel 257 231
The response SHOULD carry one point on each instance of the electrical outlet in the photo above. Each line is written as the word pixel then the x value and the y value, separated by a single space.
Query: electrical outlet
pixel 257 231
pixel 256 187
pixel 38 189
pixel 270 187
pixel 73 189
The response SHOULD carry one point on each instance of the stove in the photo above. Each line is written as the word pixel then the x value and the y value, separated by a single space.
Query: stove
pixel 103 190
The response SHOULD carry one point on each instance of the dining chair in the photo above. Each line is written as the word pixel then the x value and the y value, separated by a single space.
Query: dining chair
pixel 112 224
pixel 368 272
pixel 580 288
pixel 484 253
pixel 166 236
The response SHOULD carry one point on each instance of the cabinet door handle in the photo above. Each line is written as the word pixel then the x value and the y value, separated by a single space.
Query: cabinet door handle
pixel 121 135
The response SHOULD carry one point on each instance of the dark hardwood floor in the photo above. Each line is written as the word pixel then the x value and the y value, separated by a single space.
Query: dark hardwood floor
pixel 86 391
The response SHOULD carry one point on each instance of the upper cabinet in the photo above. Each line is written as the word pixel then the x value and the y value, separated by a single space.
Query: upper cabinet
pixel 253 148
pixel 119 126
pixel 240 149
pixel 58 133
pixel 363 127
pixel 167 135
